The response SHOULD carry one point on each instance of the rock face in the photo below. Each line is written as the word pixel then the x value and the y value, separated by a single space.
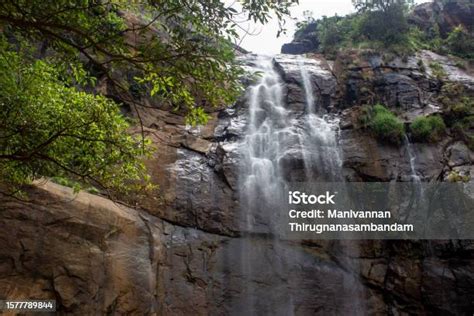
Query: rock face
pixel 96 257
pixel 306 41
pixel 408 89
pixel 437 14
pixel 91 255
pixel 185 253
pixel 445 14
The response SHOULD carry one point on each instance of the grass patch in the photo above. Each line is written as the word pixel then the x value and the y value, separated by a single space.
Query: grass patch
pixel 383 123
pixel 428 129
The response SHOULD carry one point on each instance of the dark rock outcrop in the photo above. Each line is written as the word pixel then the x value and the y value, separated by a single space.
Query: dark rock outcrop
pixel 305 41
pixel 445 15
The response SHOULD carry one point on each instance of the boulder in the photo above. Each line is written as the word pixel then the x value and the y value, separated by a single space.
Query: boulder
pixel 91 255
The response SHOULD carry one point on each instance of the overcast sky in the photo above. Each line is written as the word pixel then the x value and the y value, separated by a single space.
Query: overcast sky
pixel 266 42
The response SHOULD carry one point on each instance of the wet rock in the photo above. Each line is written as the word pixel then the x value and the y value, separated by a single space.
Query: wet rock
pixel 202 199
pixel 453 296
pixel 323 82
pixel 450 67
pixel 375 161
pixel 197 144
pixel 368 158
pixel 188 251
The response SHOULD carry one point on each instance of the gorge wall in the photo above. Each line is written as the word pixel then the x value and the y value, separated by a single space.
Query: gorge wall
pixel 186 252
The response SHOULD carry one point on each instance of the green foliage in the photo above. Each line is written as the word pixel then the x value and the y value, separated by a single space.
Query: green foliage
pixel 388 26
pixel 458 111
pixel 386 126
pixel 456 103
pixel 76 186
pixel 461 43
pixel 49 128
pixel 428 40
pixel 181 52
pixel 377 25
pixel 464 129
pixel 428 129
pixel 383 25
pixel 181 49
pixel 437 70
pixel 334 32
pixel 455 176
pixel 379 5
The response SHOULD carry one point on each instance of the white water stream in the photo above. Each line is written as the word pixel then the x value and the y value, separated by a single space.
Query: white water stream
pixel 281 145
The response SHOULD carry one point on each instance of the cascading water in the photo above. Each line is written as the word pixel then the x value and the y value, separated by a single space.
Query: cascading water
pixel 281 145
pixel 269 135
pixel 319 140
pixel 280 140
pixel 417 201
pixel 412 159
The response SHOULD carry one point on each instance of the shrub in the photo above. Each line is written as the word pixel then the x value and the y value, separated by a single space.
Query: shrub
pixel 455 176
pixel 438 70
pixel 429 129
pixel 385 125
pixel 460 42
pixel 464 130
pixel 335 32
pixel 456 103
pixel 387 26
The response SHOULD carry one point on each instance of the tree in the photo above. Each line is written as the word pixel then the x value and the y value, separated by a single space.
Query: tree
pixel 49 128
pixel 379 5
pixel 53 123
pixel 383 20
pixel 182 48
pixel 460 42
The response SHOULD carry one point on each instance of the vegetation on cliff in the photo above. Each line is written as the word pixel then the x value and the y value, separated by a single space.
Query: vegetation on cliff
pixel 429 129
pixel 379 48
pixel 383 25
pixel 458 111
pixel 383 123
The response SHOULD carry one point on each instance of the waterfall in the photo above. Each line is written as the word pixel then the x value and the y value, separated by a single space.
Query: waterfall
pixel 412 159
pixel 319 141
pixel 270 135
pixel 281 145
pixel 417 199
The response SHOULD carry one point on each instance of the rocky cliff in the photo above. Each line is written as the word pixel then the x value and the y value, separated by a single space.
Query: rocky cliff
pixel 436 16
pixel 184 252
